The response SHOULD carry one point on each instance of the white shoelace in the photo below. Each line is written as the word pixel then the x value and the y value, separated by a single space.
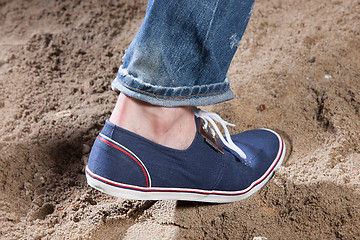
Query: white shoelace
pixel 212 117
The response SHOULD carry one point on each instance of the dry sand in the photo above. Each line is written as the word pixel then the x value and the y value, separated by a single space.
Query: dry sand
pixel 297 71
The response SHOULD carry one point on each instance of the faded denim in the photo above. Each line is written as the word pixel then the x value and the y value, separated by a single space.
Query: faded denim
pixel 182 52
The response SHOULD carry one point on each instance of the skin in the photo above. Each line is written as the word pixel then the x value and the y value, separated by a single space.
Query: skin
pixel 173 127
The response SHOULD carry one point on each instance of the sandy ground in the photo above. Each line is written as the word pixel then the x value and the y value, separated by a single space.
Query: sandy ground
pixel 297 71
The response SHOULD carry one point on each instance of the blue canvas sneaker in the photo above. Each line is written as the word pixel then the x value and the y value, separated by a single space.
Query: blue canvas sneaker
pixel 126 165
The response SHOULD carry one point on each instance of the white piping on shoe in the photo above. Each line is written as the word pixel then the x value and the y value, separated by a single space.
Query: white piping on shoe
pixel 212 117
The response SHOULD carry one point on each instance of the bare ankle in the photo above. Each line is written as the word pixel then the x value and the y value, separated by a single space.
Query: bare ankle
pixel 172 127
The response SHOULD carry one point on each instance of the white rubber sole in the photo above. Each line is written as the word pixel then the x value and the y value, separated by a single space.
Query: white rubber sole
pixel 153 193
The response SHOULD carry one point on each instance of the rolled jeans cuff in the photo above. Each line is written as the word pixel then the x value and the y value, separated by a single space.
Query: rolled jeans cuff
pixel 204 95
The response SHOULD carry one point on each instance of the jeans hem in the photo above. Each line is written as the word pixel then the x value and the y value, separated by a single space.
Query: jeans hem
pixel 197 95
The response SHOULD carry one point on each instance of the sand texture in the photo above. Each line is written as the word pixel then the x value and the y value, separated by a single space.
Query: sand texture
pixel 297 71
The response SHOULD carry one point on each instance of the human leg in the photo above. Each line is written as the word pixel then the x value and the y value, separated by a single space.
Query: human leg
pixel 152 148
pixel 172 127
pixel 179 57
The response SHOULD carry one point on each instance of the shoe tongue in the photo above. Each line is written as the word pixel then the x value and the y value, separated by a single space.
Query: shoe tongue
pixel 210 139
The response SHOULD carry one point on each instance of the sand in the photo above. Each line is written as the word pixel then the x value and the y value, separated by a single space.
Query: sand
pixel 297 70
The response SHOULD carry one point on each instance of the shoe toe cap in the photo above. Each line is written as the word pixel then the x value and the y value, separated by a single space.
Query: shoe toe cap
pixel 261 146
pixel 263 149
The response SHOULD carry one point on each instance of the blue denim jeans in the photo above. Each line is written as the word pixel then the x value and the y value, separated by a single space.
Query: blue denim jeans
pixel 182 52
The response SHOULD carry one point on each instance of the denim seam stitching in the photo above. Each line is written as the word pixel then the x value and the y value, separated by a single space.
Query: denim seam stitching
pixel 210 24
pixel 185 96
